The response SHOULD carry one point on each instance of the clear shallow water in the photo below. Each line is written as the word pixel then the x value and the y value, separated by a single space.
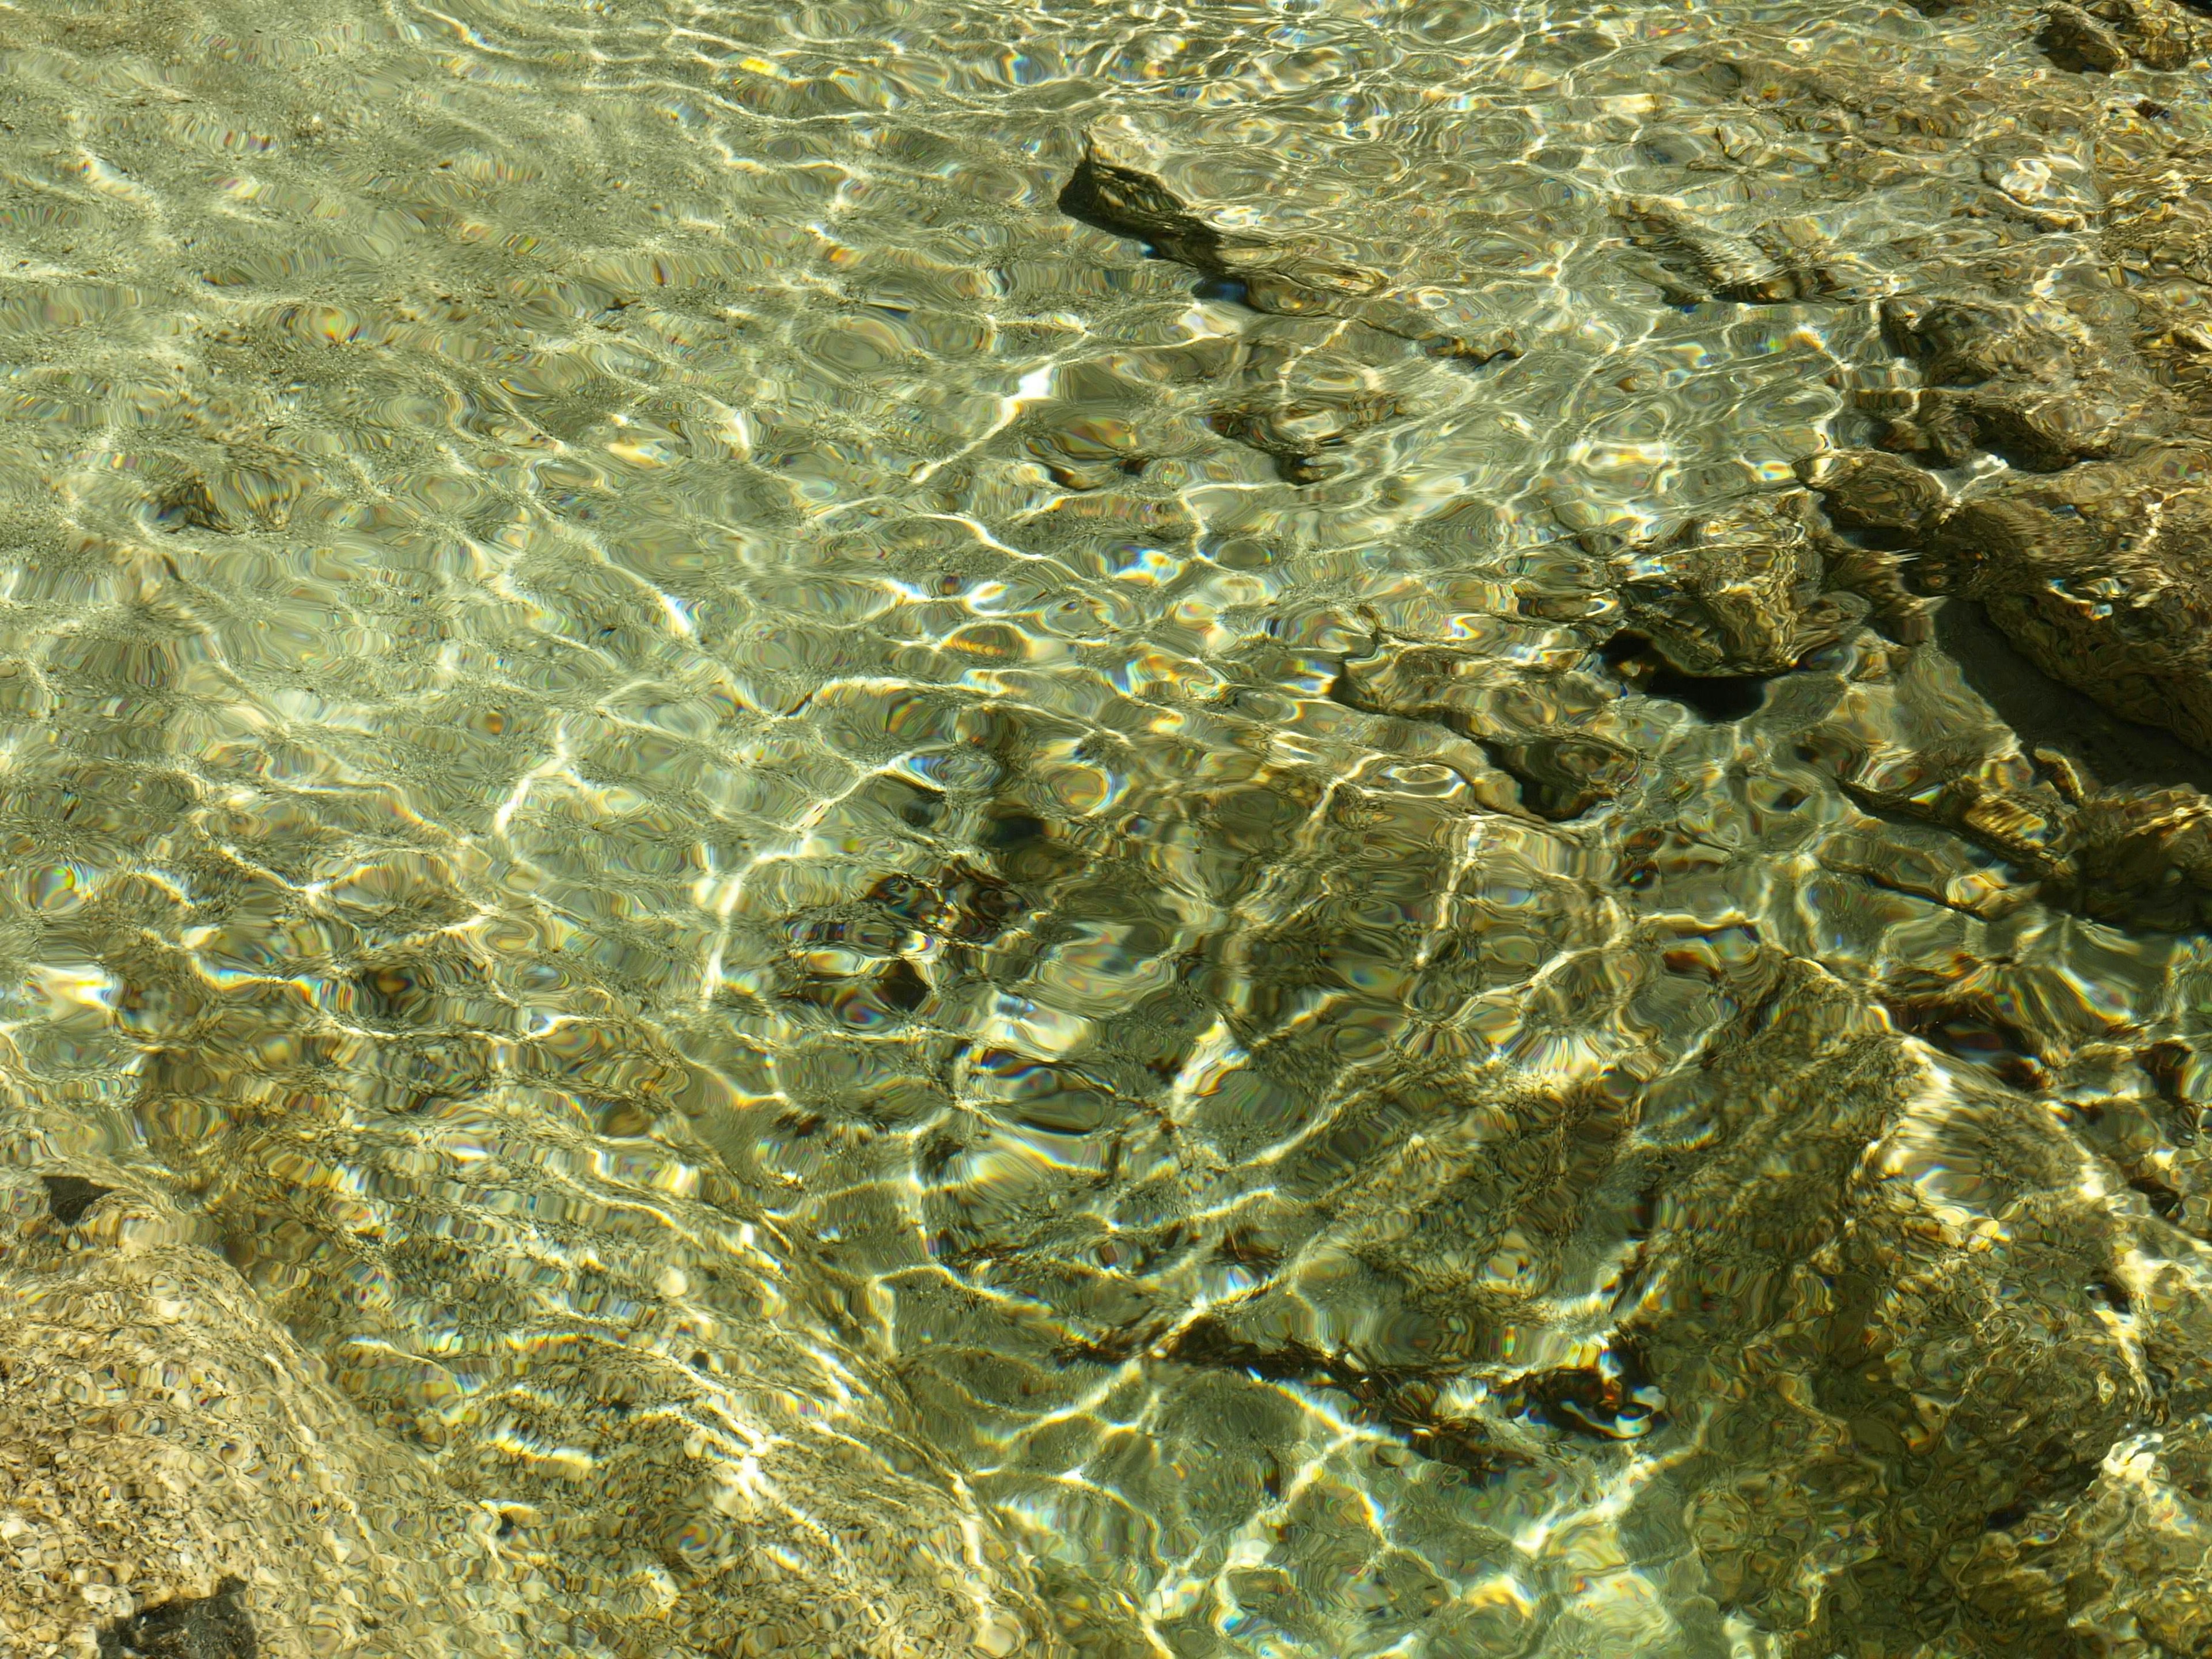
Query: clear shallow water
pixel 676 795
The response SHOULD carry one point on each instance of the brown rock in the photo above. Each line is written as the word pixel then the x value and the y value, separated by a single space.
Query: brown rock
pixel 1887 500
pixel 1116 186
pixel 2107 35
pixel 2032 385
pixel 1300 431
pixel 210 1495
pixel 1549 732
pixel 2075 41
pixel 1740 591
pixel 1121 185
pixel 1711 262
pixel 2144 857
pixel 2102 574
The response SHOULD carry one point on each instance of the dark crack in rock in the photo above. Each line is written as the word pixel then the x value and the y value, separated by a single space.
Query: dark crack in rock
pixel 1404 1401
pixel 187 504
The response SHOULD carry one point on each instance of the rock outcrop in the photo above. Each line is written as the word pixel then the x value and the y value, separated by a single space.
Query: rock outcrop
pixel 2031 384
pixel 2102 574
pixel 1116 186
pixel 176 1479
pixel 2107 36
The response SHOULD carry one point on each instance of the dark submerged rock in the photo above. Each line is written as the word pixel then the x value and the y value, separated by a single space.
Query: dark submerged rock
pixel 1549 737
pixel 2102 576
pixel 2108 35
pixel 215 1626
pixel 1707 262
pixel 68 1196
pixel 1113 188
pixel 2075 41
pixel 1118 187
pixel 1883 498
pixel 1300 432
pixel 2035 387
pixel 1740 591
pixel 1563 775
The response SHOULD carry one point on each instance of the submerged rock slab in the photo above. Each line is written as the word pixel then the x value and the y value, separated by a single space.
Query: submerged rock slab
pixel 176 1481
pixel 2031 384
pixel 1972 1386
pixel 1697 260
pixel 1116 186
pixel 2110 35
pixel 1121 185
pixel 1740 591
pixel 217 1627
pixel 1556 735
pixel 2102 574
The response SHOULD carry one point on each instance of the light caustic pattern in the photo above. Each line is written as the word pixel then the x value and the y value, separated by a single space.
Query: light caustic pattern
pixel 690 805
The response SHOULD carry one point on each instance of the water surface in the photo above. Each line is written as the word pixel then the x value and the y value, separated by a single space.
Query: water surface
pixel 678 791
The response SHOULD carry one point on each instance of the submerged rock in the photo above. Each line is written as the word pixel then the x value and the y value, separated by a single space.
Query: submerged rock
pixel 68 1196
pixel 1738 593
pixel 2144 857
pixel 1952 1360
pixel 217 1627
pixel 1751 589
pixel 2108 35
pixel 1886 501
pixel 177 1482
pixel 1555 735
pixel 2031 385
pixel 2102 576
pixel 1119 186
pixel 1699 260
pixel 2141 858
pixel 1300 432
pixel 1563 775
pixel 1116 186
